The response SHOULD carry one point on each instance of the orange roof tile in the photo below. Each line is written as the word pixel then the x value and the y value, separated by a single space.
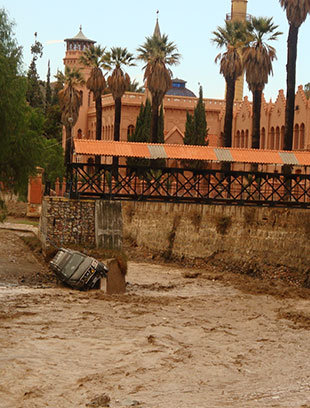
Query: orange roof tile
pixel 256 156
pixel 111 148
pixel 185 152
pixel 303 158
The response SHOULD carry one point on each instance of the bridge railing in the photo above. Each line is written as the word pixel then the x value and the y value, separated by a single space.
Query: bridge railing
pixel 188 185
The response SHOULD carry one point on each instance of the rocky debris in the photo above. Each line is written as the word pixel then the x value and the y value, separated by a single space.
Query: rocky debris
pixel 191 275
pixel 131 403
pixel 102 400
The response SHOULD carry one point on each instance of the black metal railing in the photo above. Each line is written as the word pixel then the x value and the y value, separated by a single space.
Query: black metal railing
pixel 189 185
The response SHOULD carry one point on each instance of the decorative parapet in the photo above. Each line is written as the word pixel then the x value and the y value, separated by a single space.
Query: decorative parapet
pixel 302 94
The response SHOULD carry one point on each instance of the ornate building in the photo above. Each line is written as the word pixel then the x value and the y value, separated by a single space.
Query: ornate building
pixel 180 100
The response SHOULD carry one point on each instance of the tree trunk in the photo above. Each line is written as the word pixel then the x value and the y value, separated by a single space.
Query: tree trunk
pixel 68 147
pixel 117 118
pixel 98 117
pixel 257 103
pixel 290 86
pixel 230 95
pixel 98 124
pixel 154 123
pixel 117 123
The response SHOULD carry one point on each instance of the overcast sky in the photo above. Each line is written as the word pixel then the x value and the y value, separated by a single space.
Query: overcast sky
pixel 126 23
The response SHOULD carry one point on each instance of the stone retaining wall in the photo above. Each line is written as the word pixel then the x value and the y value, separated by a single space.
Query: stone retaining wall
pixel 233 234
pixel 90 223
pixel 66 222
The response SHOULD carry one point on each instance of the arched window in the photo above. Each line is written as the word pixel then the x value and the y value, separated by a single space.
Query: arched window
pixel 277 143
pixel 282 137
pixel 263 138
pixel 296 137
pixel 302 136
pixel 271 141
pixel 246 138
pixel 88 136
pixel 242 139
pixel 103 132
pixel 238 139
pixel 79 134
pixel 130 130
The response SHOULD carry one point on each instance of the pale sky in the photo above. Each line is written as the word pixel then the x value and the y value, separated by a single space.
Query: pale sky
pixel 126 23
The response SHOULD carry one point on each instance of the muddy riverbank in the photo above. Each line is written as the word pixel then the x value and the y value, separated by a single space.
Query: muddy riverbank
pixel 178 338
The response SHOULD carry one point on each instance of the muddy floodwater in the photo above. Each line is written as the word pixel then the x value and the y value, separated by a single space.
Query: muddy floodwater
pixel 174 340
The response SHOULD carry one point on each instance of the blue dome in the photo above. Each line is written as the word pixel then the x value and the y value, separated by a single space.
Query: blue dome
pixel 179 89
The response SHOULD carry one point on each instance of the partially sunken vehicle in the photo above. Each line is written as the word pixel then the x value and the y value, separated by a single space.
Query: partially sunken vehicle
pixel 78 270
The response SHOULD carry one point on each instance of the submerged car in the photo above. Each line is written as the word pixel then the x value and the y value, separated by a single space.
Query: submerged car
pixel 78 270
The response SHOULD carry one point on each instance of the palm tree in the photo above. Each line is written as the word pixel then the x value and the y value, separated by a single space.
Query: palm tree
pixel 118 81
pixel 94 57
pixel 134 86
pixel 158 53
pixel 257 61
pixel 70 101
pixel 234 36
pixel 296 13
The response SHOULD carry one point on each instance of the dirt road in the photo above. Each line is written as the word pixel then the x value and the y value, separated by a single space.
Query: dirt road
pixel 170 342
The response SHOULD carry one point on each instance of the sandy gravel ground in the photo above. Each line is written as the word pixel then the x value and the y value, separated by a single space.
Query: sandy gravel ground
pixel 170 342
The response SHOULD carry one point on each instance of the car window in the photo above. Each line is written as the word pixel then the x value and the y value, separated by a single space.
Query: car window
pixel 72 264
pixel 82 268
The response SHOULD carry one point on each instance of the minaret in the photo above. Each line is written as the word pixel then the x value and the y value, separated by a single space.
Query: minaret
pixel 74 49
pixel 238 12
pixel 157 32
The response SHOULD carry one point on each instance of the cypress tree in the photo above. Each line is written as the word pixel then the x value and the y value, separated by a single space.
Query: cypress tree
pixel 34 94
pixel 142 133
pixel 200 121
pixel 189 135
pixel 48 91
pixel 160 138
pixel 161 125
pixel 196 130
pixel 196 125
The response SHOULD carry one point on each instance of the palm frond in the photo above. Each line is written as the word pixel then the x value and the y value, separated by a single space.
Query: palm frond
pixel 233 37
pixel 258 56
pixel 115 59
pixel 296 11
